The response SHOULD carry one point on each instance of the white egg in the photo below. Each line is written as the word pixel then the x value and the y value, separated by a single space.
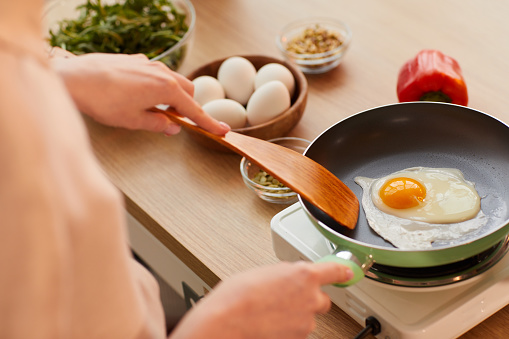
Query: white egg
pixel 419 206
pixel 207 88
pixel 267 102
pixel 275 71
pixel 227 110
pixel 236 75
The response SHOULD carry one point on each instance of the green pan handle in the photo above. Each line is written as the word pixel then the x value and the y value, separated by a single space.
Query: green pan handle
pixel 358 273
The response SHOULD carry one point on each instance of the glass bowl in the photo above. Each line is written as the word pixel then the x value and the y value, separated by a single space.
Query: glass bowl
pixel 315 45
pixel 266 188
pixel 171 53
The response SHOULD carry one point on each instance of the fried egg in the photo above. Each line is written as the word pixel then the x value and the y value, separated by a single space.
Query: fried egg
pixel 417 206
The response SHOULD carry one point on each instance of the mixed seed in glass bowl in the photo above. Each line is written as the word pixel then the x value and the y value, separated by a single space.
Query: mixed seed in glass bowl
pixel 264 184
pixel 315 45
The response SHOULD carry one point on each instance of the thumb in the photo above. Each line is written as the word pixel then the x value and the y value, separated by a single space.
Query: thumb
pixel 158 122
pixel 172 129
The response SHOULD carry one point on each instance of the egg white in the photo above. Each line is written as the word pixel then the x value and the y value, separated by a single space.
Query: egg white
pixel 408 234
pixel 449 197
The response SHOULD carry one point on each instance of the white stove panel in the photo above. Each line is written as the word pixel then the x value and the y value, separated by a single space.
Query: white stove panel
pixel 404 312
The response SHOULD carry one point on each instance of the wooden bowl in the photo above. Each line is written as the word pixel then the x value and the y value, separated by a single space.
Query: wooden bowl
pixel 275 128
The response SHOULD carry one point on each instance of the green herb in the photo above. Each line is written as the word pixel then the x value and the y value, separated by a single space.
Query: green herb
pixel 135 26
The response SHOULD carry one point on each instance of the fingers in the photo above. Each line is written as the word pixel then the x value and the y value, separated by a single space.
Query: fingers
pixel 157 122
pixel 172 129
pixel 190 108
pixel 315 275
pixel 177 91
pixel 330 273
pixel 324 303
pixel 184 103
pixel 186 84
pixel 153 83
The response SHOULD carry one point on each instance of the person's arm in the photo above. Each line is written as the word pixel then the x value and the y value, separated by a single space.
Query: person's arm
pixel 271 302
pixel 119 90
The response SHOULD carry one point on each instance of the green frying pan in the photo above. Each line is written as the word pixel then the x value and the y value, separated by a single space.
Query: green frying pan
pixel 386 139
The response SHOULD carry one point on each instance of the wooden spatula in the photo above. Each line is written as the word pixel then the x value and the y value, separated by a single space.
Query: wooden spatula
pixel 304 176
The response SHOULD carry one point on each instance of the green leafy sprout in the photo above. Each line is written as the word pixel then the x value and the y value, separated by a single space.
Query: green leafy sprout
pixel 135 26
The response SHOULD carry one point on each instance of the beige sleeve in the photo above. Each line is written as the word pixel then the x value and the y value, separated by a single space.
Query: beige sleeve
pixel 66 268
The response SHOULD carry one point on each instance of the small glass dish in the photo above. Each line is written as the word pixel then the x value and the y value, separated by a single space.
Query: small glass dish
pixel 273 192
pixel 315 45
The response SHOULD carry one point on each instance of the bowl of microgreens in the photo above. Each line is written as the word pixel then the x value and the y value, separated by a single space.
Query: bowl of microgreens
pixel 160 29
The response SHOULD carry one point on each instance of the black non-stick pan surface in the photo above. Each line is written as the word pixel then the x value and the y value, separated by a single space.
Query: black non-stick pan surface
pixel 386 139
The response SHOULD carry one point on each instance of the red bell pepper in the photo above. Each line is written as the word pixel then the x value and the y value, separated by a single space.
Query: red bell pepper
pixel 432 76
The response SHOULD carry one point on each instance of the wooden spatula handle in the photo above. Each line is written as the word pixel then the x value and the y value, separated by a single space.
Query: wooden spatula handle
pixel 301 174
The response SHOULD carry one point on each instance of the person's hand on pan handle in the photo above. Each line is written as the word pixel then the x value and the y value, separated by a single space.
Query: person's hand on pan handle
pixel 271 302
pixel 348 259
pixel 120 90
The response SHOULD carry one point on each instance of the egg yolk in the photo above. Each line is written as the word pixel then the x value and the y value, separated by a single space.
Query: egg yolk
pixel 402 193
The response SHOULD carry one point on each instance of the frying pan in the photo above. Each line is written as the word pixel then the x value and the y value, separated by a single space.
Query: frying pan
pixel 386 139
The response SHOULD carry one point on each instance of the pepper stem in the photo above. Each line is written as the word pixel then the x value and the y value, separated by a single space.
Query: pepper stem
pixel 435 96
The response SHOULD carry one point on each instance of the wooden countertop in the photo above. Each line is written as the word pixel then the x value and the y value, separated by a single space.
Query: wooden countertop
pixel 194 200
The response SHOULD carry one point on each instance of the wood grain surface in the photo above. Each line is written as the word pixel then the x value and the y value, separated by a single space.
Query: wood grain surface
pixel 194 200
